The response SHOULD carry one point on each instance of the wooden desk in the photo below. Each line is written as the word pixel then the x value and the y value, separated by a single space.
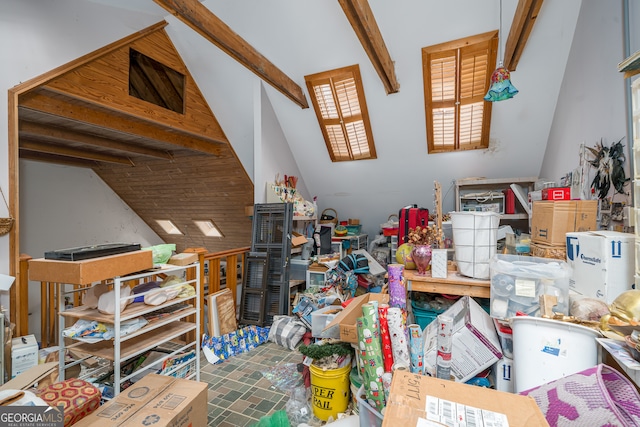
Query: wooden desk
pixel 454 284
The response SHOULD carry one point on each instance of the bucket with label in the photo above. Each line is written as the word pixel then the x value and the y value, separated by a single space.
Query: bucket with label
pixel 330 391
pixel 548 349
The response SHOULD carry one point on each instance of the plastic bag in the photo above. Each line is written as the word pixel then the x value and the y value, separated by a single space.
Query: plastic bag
pixel 284 377
pixel 161 253
pixel 277 419
pixel 297 407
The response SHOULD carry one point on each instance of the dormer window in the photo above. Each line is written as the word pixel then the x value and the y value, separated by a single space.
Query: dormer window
pixel 456 78
pixel 339 103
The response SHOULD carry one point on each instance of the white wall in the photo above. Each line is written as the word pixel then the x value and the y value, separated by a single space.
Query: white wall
pixel 591 105
pixel 404 172
pixel 49 194
pixel 276 157
pixel 37 37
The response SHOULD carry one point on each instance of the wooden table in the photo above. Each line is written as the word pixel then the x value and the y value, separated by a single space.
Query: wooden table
pixel 454 284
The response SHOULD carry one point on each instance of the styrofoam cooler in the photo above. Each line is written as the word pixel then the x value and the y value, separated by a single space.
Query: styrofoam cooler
pixel 475 238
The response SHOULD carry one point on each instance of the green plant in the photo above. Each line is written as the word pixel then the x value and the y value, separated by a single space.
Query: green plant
pixel 320 351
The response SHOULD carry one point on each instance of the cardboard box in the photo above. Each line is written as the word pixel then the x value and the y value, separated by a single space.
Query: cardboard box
pixel 602 262
pixel 24 354
pixel 475 342
pixel 502 374
pixel 183 259
pixel 414 397
pixel 156 400
pixel 297 239
pixel 556 193
pixel 347 318
pixel 90 270
pixel 552 220
pixel 541 250
pixel 31 376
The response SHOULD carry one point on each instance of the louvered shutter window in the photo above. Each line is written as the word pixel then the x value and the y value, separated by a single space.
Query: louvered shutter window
pixel 338 98
pixel 456 79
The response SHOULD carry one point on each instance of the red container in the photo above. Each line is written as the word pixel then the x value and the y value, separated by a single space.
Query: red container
pixel 556 193
pixel 509 201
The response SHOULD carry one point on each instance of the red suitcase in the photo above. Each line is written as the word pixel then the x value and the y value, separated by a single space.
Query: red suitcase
pixel 410 217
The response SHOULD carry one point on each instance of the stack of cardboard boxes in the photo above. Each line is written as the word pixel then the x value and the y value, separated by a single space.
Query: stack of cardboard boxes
pixel 552 219
pixel 602 262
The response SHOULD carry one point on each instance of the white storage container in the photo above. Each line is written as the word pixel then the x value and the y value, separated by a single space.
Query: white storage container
pixel 298 269
pixel 321 318
pixel 517 282
pixel 546 349
pixel 369 416
pixel 475 239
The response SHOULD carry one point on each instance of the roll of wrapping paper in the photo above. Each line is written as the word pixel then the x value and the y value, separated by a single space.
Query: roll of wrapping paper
pixel 359 363
pixel 371 352
pixel 415 345
pixel 398 334
pixel 397 289
pixel 387 352
pixel 443 341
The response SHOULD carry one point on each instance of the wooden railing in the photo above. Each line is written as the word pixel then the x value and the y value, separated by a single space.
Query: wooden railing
pixel 19 299
pixel 211 281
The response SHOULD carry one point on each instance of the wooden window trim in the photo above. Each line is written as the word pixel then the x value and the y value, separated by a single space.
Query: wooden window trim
pixel 349 148
pixel 461 48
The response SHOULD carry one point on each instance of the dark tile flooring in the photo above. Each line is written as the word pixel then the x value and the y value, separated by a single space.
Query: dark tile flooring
pixel 239 393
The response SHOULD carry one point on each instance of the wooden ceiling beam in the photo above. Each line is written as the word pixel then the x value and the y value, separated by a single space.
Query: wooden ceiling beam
pixel 58 160
pixel 523 22
pixel 44 133
pixel 364 24
pixel 204 22
pixel 66 151
pixel 44 101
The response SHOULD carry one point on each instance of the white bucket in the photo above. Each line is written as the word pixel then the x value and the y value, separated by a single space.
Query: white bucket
pixel 545 350
pixel 475 237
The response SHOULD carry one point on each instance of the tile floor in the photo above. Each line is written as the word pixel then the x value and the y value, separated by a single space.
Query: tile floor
pixel 239 394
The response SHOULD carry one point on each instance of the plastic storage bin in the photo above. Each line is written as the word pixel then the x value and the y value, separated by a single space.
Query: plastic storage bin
pixel 369 416
pixel 321 318
pixel 505 333
pixel 517 282
pixel 475 238
pixel 424 316
pixel 298 269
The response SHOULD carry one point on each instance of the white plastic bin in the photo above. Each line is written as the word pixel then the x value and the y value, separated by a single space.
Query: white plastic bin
pixel 321 318
pixel 369 416
pixel 475 238
pixel 546 349
pixel 518 282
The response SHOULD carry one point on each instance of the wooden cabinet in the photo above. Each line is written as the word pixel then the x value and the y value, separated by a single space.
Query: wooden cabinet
pixel 167 326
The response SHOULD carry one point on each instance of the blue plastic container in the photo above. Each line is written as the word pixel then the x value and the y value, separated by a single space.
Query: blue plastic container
pixel 424 316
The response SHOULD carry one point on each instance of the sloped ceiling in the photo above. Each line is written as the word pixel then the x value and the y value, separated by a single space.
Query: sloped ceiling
pixel 301 38
pixel 164 164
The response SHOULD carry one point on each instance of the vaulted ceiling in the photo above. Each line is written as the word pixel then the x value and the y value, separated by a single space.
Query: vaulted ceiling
pixel 142 150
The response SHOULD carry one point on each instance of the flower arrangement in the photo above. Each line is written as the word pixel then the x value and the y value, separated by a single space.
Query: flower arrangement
pixel 429 235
